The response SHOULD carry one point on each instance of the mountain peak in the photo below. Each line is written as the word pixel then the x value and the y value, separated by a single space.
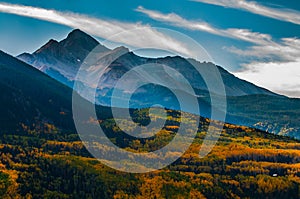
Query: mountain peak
pixel 81 42
pixel 66 56
pixel 121 49
pixel 77 33
pixel 51 44
pixel 79 37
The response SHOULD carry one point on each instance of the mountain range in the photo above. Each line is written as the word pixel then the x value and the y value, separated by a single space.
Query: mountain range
pixel 63 59
pixel 247 104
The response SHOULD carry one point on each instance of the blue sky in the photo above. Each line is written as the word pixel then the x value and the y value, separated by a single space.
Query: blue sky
pixel 256 40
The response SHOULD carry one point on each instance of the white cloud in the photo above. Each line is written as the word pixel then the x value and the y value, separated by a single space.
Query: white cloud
pixel 277 66
pixel 283 78
pixel 176 20
pixel 143 36
pixel 288 15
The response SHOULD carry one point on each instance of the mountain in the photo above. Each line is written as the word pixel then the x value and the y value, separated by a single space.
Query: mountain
pixel 61 60
pixel 247 103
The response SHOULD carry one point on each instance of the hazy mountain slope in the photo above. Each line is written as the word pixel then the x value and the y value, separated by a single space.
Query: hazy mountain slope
pixel 275 114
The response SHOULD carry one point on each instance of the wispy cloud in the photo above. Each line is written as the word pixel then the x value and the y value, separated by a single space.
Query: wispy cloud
pixel 143 36
pixel 176 20
pixel 276 67
pixel 287 50
pixel 282 14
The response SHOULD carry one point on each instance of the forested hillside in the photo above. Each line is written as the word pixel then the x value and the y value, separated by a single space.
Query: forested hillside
pixel 245 163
